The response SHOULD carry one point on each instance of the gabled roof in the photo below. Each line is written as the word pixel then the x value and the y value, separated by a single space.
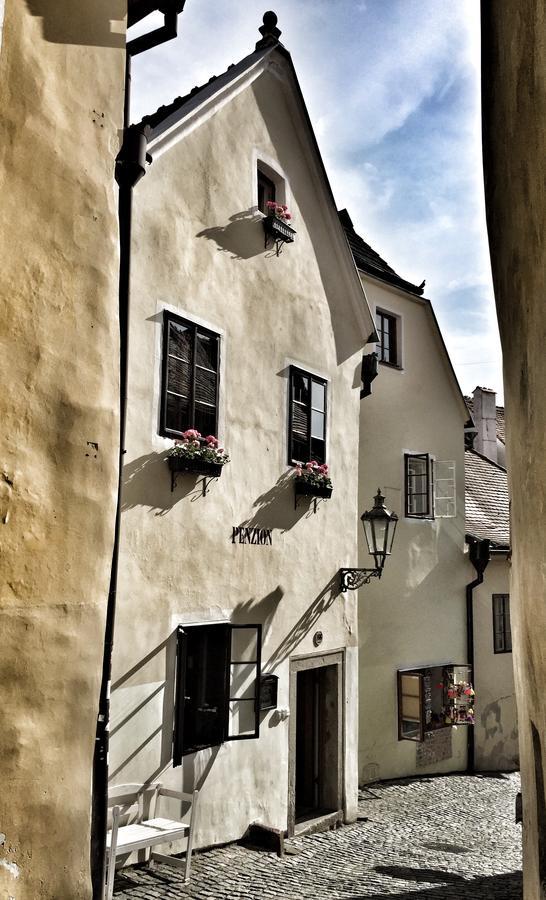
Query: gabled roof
pixel 487 503
pixel 501 427
pixel 168 123
pixel 369 261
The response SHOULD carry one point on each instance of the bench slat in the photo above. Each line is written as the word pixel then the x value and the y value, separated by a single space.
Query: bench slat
pixel 147 834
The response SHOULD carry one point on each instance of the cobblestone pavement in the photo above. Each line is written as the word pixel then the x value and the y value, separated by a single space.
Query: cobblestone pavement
pixel 446 838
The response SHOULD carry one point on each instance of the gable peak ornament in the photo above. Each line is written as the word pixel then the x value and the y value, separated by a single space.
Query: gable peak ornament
pixel 269 31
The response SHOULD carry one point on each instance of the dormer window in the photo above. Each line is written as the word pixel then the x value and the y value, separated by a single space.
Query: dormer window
pixel 266 192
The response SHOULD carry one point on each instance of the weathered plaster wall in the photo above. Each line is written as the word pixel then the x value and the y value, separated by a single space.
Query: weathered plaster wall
pixel 496 729
pixel 415 615
pixel 61 96
pixel 199 250
pixel 514 130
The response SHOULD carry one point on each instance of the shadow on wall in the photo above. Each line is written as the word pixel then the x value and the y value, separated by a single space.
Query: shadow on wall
pixel 243 237
pixel 277 509
pixel 165 727
pixel 147 482
pixel 80 22
pixel 304 624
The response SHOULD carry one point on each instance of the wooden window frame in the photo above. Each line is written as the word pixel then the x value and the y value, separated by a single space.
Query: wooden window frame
pixel 429 512
pixel 169 317
pixel 420 674
pixel 296 370
pixel 183 634
pixel 505 618
pixel 426 723
pixel 394 352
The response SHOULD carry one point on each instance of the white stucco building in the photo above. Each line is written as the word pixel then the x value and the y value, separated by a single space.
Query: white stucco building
pixel 412 622
pixel 225 580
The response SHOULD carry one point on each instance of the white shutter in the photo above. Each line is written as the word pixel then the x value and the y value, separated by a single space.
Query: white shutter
pixel 445 493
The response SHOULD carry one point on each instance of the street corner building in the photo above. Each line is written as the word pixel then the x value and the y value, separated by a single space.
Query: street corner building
pixel 61 90
pixel 235 664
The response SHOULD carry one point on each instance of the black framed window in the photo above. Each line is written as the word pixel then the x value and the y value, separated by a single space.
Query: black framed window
pixel 307 417
pixel 387 330
pixel 190 377
pixel 266 192
pixel 218 671
pixel 502 633
pixel 418 485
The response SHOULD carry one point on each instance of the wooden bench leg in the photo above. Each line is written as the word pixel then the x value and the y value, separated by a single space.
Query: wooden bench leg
pixel 112 854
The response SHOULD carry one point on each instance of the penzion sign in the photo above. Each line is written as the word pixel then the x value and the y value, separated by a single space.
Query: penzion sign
pixel 243 535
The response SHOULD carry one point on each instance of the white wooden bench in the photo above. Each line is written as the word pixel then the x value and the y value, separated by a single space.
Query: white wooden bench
pixel 135 827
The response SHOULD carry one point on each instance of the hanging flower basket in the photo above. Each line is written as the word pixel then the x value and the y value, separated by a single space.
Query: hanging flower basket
pixel 197 455
pixel 459 706
pixel 313 480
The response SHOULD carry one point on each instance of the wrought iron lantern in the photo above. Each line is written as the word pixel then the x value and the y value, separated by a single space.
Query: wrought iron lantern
pixel 379 528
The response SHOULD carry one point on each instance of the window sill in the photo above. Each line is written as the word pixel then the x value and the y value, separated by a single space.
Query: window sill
pixel 383 362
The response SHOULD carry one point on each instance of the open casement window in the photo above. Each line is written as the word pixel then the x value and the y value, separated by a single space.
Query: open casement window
pixel 190 377
pixel 433 697
pixel 502 633
pixel 418 483
pixel 307 417
pixel 217 686
pixel 445 494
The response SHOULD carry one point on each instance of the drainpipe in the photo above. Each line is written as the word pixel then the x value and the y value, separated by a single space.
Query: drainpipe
pixel 479 555
pixel 130 168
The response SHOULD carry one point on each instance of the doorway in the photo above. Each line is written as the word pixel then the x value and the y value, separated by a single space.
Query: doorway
pixel 316 741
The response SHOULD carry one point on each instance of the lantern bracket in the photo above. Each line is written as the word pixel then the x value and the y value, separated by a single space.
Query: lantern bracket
pixel 353 579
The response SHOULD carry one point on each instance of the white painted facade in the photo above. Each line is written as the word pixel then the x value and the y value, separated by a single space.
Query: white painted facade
pixel 413 617
pixel 198 250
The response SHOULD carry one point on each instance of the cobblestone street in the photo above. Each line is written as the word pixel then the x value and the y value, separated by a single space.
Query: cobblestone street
pixel 445 838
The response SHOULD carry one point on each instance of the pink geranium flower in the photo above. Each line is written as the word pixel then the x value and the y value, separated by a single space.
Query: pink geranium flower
pixel 271 204
pixel 288 216
pixel 191 434
pixel 211 440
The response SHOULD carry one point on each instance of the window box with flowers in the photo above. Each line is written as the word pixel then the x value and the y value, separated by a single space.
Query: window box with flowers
pixel 313 480
pixel 276 225
pixel 197 455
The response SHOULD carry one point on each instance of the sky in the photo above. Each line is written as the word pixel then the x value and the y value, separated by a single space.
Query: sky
pixel 392 88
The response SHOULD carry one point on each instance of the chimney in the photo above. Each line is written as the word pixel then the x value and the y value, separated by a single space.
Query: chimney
pixel 484 414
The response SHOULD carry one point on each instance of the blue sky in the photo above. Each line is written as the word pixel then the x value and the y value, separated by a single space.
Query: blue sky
pixel 392 88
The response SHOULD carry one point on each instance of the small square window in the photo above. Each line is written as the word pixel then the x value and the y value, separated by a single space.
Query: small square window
pixel 502 632
pixel 218 670
pixel 307 417
pixel 191 365
pixel 266 192
pixel 418 478
pixel 387 331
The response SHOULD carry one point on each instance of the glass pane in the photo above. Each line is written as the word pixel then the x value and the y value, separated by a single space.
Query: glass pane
pixel 180 341
pixel 318 450
pixel 410 706
pixel 205 386
pixel 317 424
pixel 318 396
pixel 206 351
pixel 417 504
pixel 244 644
pixel 176 417
pixel 204 419
pixel 417 466
pixel 242 681
pixel 300 388
pixel 179 377
pixel 242 718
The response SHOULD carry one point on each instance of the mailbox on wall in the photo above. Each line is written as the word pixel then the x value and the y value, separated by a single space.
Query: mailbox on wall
pixel 268 692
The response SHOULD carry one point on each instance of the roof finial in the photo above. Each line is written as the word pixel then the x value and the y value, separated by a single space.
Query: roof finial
pixel 269 31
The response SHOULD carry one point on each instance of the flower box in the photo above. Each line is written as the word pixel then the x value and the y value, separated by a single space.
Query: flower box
pixel 308 489
pixel 278 229
pixel 195 466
